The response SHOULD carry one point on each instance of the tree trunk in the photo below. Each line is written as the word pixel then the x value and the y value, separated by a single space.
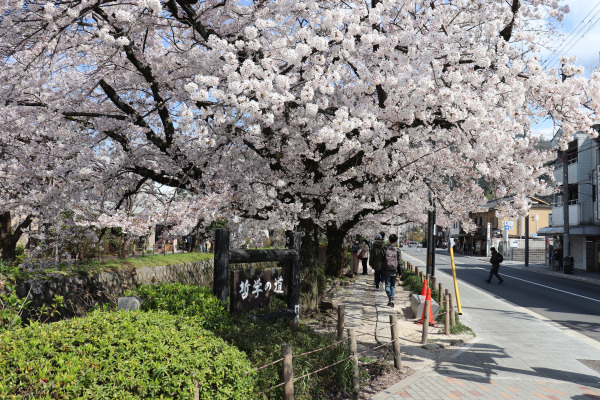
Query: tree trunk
pixel 10 239
pixel 335 256
pixel 309 258
pixel 124 246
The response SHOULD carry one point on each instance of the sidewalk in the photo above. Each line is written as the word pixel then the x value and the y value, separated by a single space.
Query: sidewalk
pixel 516 354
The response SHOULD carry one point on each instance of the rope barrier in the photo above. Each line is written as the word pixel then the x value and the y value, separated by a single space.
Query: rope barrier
pixel 266 365
pixel 271 388
pixel 322 348
pixel 385 327
pixel 324 368
pixel 373 348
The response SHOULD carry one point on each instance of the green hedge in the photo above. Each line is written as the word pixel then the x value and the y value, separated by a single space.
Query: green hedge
pixel 189 300
pixel 121 355
pixel 260 340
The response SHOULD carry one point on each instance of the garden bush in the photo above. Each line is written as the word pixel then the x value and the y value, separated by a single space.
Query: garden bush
pixel 190 300
pixel 121 355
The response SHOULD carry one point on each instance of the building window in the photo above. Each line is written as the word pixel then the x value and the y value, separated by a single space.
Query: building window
pixel 572 152
pixel 573 193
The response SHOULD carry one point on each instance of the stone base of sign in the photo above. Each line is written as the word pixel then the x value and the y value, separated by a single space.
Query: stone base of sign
pixel 417 303
pixel 129 303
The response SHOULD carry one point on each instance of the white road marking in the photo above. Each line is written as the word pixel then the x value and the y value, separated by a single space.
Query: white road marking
pixel 520 279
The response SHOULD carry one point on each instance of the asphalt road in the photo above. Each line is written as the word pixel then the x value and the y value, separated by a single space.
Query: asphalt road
pixel 573 304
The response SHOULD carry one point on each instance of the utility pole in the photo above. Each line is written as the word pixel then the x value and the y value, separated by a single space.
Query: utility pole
pixel 433 240
pixel 565 164
pixel 527 240
pixel 430 262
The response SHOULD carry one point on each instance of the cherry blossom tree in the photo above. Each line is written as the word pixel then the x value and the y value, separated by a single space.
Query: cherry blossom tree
pixel 317 114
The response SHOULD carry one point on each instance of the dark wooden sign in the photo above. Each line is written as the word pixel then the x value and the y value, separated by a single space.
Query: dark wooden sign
pixel 253 288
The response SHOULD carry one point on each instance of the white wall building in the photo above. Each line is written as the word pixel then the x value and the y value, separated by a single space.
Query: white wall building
pixel 583 157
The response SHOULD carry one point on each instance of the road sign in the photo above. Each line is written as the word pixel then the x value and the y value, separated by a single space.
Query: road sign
pixel 508 225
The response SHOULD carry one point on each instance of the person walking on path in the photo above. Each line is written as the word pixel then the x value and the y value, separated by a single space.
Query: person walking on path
pixel 354 249
pixel 392 258
pixel 375 259
pixel 495 260
pixel 364 253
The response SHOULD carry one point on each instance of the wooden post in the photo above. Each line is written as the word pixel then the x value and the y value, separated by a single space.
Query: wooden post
pixel 294 243
pixel 426 322
pixel 288 372
pixel 340 322
pixel 221 261
pixel 433 283
pixel 428 278
pixel 417 271
pixel 441 293
pixel 354 351
pixel 447 317
pixel 451 310
pixel 396 341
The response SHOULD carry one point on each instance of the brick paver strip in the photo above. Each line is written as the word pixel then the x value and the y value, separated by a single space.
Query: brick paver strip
pixel 475 393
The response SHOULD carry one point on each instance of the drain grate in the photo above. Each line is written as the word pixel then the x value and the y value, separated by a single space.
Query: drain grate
pixel 593 364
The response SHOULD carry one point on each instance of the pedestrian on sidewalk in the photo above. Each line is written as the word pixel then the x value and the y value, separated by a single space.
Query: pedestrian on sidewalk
pixel 354 249
pixel 364 253
pixel 495 260
pixel 392 258
pixel 375 259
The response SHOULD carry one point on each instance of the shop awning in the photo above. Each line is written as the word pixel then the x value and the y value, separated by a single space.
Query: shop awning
pixel 550 231
pixel 577 230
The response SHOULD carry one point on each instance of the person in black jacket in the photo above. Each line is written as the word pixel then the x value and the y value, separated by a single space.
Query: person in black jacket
pixel 495 260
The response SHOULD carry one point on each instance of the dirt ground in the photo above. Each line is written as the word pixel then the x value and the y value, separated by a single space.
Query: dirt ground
pixel 377 366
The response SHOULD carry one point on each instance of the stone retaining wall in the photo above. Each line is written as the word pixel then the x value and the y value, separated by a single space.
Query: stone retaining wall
pixel 82 293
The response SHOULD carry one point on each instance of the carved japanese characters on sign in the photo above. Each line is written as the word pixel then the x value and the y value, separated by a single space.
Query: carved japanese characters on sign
pixel 253 288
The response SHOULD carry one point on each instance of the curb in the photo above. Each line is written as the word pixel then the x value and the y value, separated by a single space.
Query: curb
pixel 572 277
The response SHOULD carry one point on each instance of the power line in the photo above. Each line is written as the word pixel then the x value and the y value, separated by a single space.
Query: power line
pixel 574 39
pixel 556 50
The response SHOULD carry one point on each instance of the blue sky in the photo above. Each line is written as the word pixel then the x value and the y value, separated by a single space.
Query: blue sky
pixel 579 36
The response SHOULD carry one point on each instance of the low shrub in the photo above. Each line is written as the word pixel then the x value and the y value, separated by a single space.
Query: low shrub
pixel 189 300
pixel 121 355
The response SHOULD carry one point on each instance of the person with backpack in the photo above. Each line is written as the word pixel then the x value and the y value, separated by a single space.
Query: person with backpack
pixel 391 259
pixel 495 260
pixel 375 259
pixel 364 255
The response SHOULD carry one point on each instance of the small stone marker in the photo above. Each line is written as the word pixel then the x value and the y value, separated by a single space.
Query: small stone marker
pixel 129 303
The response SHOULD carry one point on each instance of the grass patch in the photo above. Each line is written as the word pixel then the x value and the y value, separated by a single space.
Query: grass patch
pixel 153 260
pixel 44 269
pixel 459 328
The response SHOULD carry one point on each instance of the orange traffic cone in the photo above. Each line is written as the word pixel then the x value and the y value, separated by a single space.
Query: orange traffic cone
pixel 424 288
pixel 428 298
